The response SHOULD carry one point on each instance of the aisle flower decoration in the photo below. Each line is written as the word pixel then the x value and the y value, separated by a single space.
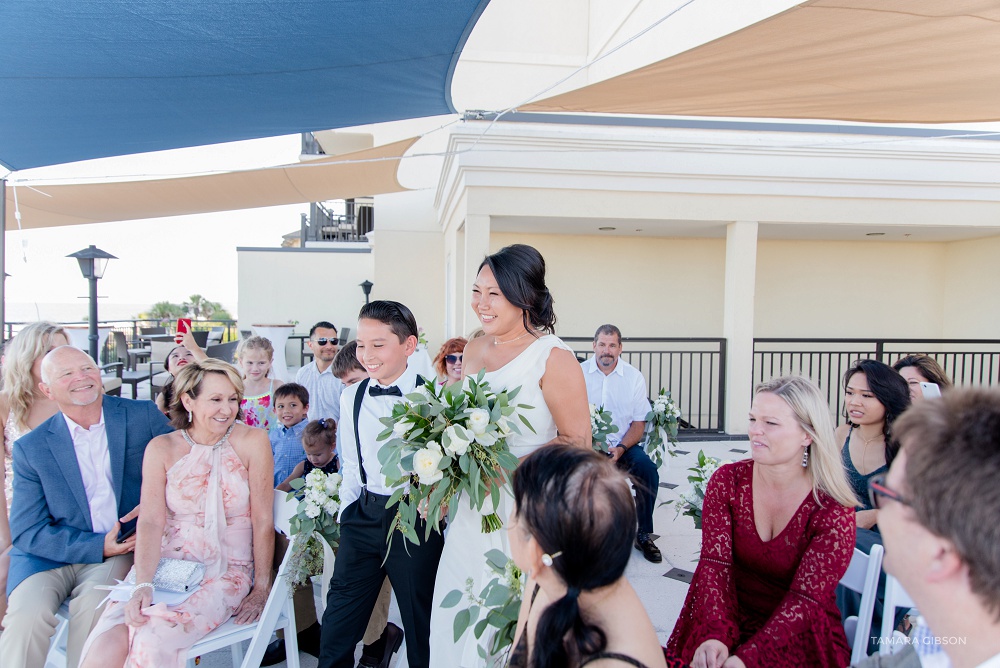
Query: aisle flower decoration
pixel 315 519
pixel 661 428
pixel 444 441
pixel 500 599
pixel 601 426
pixel 691 501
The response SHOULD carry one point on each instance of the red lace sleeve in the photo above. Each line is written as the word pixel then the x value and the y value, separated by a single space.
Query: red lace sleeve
pixel 803 610
pixel 710 609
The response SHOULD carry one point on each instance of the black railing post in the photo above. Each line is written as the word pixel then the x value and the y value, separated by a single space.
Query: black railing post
pixel 880 350
pixel 722 384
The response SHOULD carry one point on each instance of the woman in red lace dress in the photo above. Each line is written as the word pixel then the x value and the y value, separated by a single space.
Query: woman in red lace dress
pixel 777 536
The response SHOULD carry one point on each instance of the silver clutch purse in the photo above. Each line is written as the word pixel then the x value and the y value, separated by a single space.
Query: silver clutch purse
pixel 175 575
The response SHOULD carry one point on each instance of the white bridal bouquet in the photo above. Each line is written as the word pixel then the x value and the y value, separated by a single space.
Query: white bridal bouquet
pixel 444 441
pixel 661 428
pixel 315 519
pixel 600 426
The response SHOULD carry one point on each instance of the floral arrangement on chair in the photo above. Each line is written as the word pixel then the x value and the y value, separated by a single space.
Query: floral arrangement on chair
pixel 600 427
pixel 691 501
pixel 444 441
pixel 661 428
pixel 501 601
pixel 315 519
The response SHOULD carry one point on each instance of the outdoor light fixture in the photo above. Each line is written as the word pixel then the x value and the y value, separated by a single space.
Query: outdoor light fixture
pixel 366 286
pixel 93 261
pixel 607 229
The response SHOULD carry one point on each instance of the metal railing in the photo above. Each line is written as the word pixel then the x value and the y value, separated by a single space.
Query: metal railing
pixel 323 224
pixel 692 369
pixel 132 328
pixel 966 361
pixel 310 146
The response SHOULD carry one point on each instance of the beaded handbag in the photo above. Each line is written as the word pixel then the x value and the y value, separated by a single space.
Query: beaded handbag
pixel 175 575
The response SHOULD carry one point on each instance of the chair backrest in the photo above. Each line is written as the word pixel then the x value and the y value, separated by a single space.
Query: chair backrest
pixel 895 597
pixel 215 335
pixel 223 351
pixel 152 330
pixel 158 351
pixel 121 348
pixel 345 335
pixel 862 577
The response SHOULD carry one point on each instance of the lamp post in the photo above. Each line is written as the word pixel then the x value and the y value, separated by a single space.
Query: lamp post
pixel 93 261
pixel 367 287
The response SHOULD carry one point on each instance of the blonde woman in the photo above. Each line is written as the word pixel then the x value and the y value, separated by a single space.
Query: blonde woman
pixel 22 408
pixel 778 534
pixel 254 356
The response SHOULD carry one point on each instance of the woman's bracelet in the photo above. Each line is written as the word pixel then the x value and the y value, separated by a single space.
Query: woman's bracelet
pixel 142 585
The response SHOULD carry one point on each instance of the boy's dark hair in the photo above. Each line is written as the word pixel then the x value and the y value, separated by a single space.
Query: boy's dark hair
pixel 399 318
pixel 346 361
pixel 324 324
pixel 292 390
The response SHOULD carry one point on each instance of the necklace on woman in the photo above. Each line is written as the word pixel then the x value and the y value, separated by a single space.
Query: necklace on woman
pixel 214 446
pixel 498 342
pixel 867 441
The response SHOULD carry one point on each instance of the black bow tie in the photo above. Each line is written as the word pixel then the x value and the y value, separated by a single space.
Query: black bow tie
pixel 376 391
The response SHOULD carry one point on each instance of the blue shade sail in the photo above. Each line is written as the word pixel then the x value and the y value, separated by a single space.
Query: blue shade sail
pixel 82 79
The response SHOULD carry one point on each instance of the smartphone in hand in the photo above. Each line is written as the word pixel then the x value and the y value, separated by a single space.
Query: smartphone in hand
pixel 126 532
pixel 183 327
pixel 930 390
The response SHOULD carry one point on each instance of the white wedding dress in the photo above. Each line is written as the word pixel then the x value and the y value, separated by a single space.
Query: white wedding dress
pixel 465 544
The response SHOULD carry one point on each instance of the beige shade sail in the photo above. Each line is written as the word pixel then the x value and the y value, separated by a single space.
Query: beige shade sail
pixel 368 172
pixel 886 61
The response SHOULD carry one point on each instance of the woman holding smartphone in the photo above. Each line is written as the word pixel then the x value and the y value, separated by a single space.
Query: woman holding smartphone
pixel 917 369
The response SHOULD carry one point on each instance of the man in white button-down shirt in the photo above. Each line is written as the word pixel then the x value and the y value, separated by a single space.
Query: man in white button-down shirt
pixel 621 389
pixel 75 475
pixel 387 336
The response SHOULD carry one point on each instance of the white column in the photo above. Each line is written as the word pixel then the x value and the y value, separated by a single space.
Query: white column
pixel 477 246
pixel 737 322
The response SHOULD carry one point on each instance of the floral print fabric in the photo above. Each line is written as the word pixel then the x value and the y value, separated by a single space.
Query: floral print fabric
pixel 200 485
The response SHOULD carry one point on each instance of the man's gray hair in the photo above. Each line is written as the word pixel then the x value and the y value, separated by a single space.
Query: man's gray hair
pixel 608 329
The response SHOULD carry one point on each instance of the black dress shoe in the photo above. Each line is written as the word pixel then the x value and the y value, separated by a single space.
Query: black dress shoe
pixel 379 653
pixel 308 642
pixel 645 544
pixel 275 653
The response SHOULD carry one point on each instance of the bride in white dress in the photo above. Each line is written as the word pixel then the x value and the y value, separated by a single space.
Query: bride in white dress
pixel 518 350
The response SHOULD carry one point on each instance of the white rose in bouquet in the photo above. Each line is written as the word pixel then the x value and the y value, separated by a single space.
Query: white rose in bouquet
pixel 312 510
pixel 479 420
pixel 425 465
pixel 458 440
pixel 503 424
pixel 400 428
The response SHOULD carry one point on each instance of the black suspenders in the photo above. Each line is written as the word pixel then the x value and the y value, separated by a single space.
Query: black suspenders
pixel 358 398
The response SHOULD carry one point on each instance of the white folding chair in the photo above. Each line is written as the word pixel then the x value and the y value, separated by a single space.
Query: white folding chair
pixel 57 645
pixel 894 598
pixel 278 612
pixel 862 577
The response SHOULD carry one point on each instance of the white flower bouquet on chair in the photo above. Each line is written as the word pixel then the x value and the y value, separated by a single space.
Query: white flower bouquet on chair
pixel 661 428
pixel 601 426
pixel 445 441
pixel 314 523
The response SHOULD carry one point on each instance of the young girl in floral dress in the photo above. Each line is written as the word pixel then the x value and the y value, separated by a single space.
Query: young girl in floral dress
pixel 254 356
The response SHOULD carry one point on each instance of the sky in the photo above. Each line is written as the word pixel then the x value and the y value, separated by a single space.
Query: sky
pixel 159 259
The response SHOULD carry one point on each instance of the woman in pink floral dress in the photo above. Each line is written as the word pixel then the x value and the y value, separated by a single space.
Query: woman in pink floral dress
pixel 206 497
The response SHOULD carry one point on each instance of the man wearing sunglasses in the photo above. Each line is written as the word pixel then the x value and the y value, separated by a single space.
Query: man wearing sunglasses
pixel 939 512
pixel 317 376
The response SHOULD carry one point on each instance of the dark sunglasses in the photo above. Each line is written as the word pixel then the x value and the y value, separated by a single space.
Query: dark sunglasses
pixel 877 490
pixel 452 359
pixel 323 342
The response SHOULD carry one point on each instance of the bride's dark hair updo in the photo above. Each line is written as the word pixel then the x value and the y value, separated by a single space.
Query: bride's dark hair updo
pixel 520 273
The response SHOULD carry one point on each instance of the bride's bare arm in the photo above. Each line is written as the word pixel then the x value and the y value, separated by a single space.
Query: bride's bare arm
pixel 565 393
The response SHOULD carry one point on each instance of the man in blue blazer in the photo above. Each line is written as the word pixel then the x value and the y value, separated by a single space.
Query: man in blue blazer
pixel 75 475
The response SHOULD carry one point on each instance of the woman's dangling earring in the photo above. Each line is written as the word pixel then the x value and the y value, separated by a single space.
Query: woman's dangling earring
pixel 191 421
pixel 805 457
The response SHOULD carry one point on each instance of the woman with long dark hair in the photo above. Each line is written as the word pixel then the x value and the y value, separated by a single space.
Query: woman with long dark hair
pixel 572 531
pixel 916 369
pixel 874 396
pixel 519 349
